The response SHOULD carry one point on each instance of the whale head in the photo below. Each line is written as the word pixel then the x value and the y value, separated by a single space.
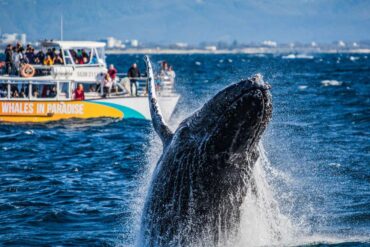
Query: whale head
pixel 235 118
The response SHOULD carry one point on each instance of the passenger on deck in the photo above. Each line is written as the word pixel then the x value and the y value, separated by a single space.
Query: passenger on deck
pixel 14 58
pixel 107 82
pixel 48 60
pixel 45 91
pixel 53 53
pixel 92 89
pixel 58 59
pixel 19 59
pixel 8 59
pixel 48 52
pixel 3 91
pixel 79 93
pixel 30 54
pixel 94 60
pixel 22 94
pixel 53 92
pixel 164 68
pixel 15 94
pixel 40 56
pixel 112 72
pixel 171 74
pixel 85 57
pixel 73 54
pixel 133 73
pixel 79 58
pixel 35 93
pixel 19 45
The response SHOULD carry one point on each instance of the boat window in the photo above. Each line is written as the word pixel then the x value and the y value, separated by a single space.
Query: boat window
pixel 19 90
pixel 64 90
pixel 90 87
pixel 3 90
pixel 67 57
pixel 80 56
pixel 101 55
pixel 44 90
pixel 93 57
pixel 73 56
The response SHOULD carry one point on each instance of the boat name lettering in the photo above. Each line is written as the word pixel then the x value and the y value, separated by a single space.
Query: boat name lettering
pixel 30 108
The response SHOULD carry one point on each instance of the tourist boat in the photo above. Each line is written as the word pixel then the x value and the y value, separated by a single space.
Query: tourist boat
pixel 34 102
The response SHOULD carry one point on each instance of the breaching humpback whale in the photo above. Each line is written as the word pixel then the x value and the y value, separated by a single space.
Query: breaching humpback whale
pixel 203 175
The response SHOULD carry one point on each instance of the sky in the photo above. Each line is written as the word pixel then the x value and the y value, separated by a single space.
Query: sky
pixel 190 21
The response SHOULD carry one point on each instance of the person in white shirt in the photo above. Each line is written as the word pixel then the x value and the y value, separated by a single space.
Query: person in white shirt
pixel 171 74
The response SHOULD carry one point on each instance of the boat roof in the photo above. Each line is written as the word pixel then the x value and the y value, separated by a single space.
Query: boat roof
pixel 74 44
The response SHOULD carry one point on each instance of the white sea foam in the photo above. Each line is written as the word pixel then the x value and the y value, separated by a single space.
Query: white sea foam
pixel 198 63
pixel 337 165
pixel 302 87
pixel 353 58
pixel 29 132
pixel 331 83
pixel 297 56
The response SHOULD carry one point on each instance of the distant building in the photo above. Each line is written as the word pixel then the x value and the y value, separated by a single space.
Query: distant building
pixel 112 42
pixel 181 45
pixel 269 43
pixel 210 48
pixel 134 43
pixel 23 38
pixel 11 38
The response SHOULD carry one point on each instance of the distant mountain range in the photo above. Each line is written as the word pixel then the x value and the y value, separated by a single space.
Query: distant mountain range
pixel 192 21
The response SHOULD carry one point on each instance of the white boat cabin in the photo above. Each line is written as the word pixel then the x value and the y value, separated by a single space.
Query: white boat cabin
pixel 75 66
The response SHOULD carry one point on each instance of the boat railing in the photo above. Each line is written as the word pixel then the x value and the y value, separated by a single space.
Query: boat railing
pixel 164 86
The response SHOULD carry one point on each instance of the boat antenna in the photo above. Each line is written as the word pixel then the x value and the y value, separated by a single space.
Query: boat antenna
pixel 61 27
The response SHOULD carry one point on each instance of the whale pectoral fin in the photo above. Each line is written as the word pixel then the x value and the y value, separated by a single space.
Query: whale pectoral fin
pixel 158 121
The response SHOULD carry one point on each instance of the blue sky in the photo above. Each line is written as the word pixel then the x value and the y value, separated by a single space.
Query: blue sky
pixel 191 21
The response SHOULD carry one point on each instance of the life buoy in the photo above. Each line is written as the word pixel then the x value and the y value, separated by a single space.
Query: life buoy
pixel 27 70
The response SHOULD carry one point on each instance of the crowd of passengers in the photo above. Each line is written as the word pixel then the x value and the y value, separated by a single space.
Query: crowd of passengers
pixel 16 56
pixel 108 81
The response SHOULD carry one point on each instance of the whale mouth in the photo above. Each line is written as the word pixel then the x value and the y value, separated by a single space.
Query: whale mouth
pixel 253 87
pixel 243 119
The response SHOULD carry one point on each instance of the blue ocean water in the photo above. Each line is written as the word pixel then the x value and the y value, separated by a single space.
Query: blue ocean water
pixel 82 182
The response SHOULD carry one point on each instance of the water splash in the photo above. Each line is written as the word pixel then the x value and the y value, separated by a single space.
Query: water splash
pixel 262 221
pixel 154 150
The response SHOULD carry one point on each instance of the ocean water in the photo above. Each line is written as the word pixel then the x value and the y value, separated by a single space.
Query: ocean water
pixel 83 183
